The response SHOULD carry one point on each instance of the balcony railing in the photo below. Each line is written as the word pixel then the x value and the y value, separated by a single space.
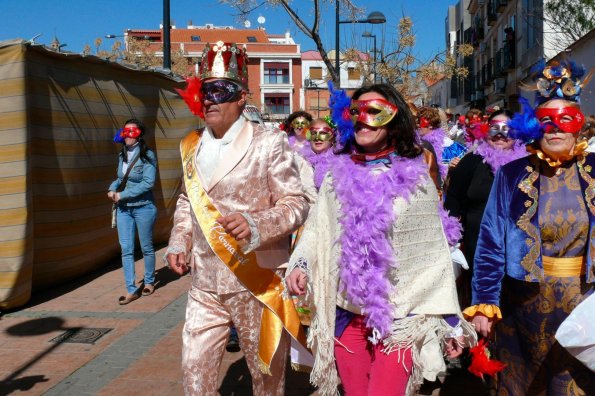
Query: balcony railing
pixel 468 36
pixel 454 88
pixel 484 75
pixel 492 16
pixel 490 66
pixel 467 88
pixel 508 57
pixel 499 63
pixel 501 5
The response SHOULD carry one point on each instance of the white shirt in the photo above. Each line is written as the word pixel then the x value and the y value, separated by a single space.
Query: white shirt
pixel 212 149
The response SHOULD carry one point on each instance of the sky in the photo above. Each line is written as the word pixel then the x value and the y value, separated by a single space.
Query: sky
pixel 79 22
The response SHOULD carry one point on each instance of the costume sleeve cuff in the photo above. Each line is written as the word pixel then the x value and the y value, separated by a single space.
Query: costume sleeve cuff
pixel 255 235
pixel 488 310
pixel 174 249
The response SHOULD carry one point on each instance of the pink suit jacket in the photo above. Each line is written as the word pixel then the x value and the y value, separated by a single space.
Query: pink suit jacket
pixel 258 176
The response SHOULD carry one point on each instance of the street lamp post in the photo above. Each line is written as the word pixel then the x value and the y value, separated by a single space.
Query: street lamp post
pixel 375 17
pixel 368 35
pixel 166 39
pixel 312 84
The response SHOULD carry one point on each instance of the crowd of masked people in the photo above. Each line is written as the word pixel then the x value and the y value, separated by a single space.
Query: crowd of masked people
pixel 382 246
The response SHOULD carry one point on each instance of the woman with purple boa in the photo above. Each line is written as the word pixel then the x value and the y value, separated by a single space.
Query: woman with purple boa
pixel 374 260
pixel 296 126
pixel 321 135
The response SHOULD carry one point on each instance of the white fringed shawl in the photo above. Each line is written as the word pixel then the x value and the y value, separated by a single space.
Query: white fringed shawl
pixel 425 284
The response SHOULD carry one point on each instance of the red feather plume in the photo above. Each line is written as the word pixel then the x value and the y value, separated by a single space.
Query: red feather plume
pixel 192 95
pixel 478 130
pixel 481 363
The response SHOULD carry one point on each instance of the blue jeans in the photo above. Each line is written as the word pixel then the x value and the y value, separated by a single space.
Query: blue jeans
pixel 141 218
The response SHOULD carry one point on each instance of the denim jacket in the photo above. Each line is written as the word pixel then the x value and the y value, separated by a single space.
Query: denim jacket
pixel 139 187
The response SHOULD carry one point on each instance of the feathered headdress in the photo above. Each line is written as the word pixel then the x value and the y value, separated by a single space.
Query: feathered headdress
pixel 339 104
pixel 525 126
pixel 478 130
pixel 329 120
pixel 192 95
pixel 558 80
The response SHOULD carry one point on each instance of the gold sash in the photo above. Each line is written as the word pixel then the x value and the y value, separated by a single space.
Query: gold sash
pixel 263 283
pixel 564 267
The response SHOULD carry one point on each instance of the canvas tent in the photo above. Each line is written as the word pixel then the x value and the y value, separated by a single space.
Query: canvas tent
pixel 58 115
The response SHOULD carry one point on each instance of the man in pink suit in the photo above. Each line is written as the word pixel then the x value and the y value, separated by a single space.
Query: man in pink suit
pixel 241 198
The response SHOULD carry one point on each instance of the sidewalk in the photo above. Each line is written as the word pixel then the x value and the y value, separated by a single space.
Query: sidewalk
pixel 139 354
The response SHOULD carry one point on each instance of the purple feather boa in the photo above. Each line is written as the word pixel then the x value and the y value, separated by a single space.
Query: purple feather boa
pixel 366 217
pixel 451 225
pixel 320 162
pixel 496 157
pixel 436 139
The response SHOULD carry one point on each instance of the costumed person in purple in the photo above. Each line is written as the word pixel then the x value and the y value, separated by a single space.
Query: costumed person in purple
pixel 241 198
pixel 321 134
pixel 374 259
pixel 471 181
pixel 430 130
pixel 535 255
pixel 295 126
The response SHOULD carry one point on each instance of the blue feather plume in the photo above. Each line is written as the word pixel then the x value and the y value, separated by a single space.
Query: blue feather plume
pixel 339 104
pixel 118 137
pixel 525 126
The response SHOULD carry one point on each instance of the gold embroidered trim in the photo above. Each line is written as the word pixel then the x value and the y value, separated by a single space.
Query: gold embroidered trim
pixel 589 195
pixel 529 262
pixel 590 191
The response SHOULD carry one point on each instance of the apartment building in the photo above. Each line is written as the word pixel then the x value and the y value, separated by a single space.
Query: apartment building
pixel 275 70
pixel 509 38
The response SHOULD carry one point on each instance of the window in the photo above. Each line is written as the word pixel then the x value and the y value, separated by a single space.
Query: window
pixel 251 39
pixel 531 23
pixel 195 38
pixel 353 73
pixel 315 73
pixel 276 73
pixel 277 103
pixel 315 104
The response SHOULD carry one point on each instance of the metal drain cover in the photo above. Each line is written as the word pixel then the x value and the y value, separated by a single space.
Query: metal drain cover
pixel 81 335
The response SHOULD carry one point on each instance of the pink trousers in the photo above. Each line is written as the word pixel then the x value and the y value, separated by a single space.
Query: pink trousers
pixel 364 369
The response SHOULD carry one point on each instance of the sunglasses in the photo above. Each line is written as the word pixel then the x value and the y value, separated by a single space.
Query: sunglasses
pixel 221 91
pixel 320 134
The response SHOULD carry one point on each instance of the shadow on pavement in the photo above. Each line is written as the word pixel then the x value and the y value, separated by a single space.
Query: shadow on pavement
pixel 30 328
pixel 237 381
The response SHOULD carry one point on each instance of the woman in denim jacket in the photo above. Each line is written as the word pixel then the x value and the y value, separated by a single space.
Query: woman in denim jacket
pixel 135 206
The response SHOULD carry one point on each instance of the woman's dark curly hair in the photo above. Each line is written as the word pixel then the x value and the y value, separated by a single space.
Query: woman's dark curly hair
pixel 141 141
pixel 401 129
pixel 296 114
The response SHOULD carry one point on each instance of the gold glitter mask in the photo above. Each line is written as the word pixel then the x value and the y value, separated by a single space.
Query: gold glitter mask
pixel 300 123
pixel 373 112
